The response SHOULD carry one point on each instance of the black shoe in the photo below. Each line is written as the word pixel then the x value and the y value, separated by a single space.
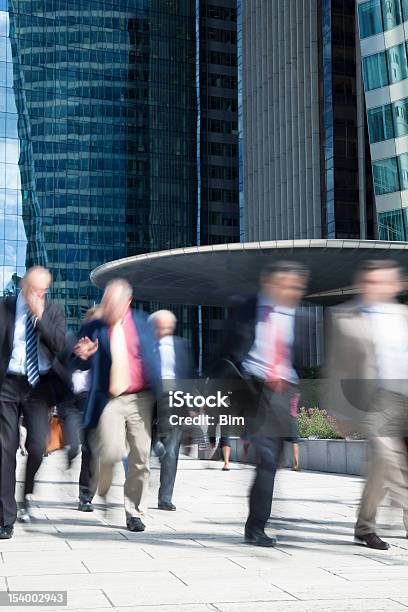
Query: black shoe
pixel 259 538
pixel 25 514
pixel 371 540
pixel 85 506
pixel 135 524
pixel 166 506
pixel 6 532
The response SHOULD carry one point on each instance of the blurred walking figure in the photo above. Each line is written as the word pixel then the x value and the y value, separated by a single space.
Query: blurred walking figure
pixel 124 372
pixel 367 368
pixel 263 343
pixel 176 369
pixel 71 390
pixel 224 444
pixel 32 332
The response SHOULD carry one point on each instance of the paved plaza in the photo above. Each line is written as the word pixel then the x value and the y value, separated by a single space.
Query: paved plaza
pixel 195 559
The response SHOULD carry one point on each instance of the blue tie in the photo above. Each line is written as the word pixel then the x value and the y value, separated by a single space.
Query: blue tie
pixel 33 374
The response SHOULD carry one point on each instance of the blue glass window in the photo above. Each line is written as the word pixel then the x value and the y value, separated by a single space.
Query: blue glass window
pixel 403 170
pixel 392 13
pixel 392 225
pixel 386 176
pixel 404 9
pixel 369 17
pixel 400 116
pixel 397 63
pixel 375 71
pixel 380 124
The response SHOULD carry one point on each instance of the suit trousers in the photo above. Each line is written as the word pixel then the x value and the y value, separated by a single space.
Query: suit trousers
pixel 387 459
pixel 168 464
pixel 17 397
pixel 125 428
pixel 387 471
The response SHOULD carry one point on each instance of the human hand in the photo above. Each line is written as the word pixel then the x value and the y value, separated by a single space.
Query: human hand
pixel 35 304
pixel 85 348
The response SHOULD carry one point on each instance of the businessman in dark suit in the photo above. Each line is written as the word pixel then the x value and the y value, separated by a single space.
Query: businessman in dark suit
pixel 32 332
pixel 176 368
pixel 125 376
pixel 263 345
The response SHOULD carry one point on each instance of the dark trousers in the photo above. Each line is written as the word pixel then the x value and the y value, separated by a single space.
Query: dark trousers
pixel 88 469
pixel 71 412
pixel 268 451
pixel 168 468
pixel 17 397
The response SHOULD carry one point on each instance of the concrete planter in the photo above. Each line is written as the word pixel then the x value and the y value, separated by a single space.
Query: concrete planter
pixel 335 456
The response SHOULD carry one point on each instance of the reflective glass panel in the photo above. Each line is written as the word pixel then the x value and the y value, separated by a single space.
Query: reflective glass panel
pixel 375 71
pixel 369 18
pixel 392 225
pixel 403 170
pixel 392 13
pixel 400 116
pixel 380 123
pixel 386 176
pixel 397 63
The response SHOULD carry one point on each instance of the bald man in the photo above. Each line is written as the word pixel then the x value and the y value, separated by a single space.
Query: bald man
pixel 176 370
pixel 32 332
pixel 119 349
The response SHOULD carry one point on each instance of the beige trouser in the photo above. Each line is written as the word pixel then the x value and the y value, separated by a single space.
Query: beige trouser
pixel 387 471
pixel 125 429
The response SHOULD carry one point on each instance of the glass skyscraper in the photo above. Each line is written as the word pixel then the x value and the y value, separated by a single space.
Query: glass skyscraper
pixel 383 28
pixel 97 136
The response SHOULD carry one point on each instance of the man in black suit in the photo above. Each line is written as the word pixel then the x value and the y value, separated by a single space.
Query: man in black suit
pixel 32 332
pixel 263 344
pixel 176 371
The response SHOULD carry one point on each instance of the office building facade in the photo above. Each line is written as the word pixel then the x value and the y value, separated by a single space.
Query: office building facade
pixel 307 170
pixel 383 31
pixel 218 162
pixel 98 136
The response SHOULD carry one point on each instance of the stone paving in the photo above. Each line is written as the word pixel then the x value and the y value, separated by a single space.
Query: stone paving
pixel 195 559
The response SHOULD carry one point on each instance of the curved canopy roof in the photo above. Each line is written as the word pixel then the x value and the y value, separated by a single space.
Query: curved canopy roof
pixel 210 275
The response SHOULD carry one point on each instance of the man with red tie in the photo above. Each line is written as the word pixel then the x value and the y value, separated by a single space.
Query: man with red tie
pixel 264 343
pixel 124 377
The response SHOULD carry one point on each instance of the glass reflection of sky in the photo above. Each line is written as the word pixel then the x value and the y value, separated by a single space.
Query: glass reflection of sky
pixel 13 240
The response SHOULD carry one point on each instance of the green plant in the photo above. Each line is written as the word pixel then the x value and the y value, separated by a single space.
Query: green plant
pixel 317 423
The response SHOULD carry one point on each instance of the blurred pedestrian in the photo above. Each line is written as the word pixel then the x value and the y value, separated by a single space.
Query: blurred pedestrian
pixel 32 332
pixel 367 369
pixel 176 368
pixel 124 376
pixel 71 386
pixel 263 344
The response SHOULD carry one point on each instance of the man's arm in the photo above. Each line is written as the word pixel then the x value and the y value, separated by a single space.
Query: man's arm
pixel 51 327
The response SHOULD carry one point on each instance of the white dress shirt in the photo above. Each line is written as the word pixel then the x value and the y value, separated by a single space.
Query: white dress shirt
pixel 260 358
pixel 17 363
pixel 390 336
pixel 167 358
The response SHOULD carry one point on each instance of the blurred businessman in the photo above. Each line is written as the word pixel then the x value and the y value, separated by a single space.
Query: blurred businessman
pixel 32 332
pixel 263 345
pixel 367 369
pixel 176 370
pixel 124 378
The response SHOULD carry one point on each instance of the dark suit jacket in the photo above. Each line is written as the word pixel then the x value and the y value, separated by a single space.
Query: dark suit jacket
pixel 101 362
pixel 51 330
pixel 240 332
pixel 62 369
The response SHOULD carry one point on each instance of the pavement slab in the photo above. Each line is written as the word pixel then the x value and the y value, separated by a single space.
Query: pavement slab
pixel 195 559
